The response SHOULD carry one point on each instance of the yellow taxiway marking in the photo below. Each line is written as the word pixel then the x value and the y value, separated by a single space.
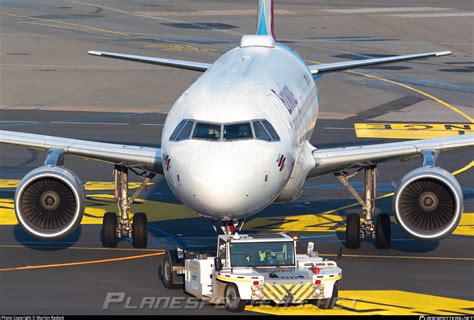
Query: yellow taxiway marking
pixel 71 24
pixel 98 204
pixel 411 130
pixel 332 221
pixel 411 88
pixel 465 168
pixel 89 185
pixel 80 263
pixel 423 93
pixel 179 47
pixel 377 302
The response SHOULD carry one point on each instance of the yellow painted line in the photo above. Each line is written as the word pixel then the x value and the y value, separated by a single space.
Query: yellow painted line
pixel 89 185
pixel 465 168
pixel 303 290
pixel 421 92
pixel 332 278
pixel 331 221
pixel 411 130
pixel 398 257
pixel 230 279
pixel 274 291
pixel 98 204
pixel 179 47
pixel 376 302
pixel 80 263
pixel 71 24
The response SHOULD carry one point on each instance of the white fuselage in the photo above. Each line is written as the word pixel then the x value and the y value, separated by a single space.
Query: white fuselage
pixel 233 179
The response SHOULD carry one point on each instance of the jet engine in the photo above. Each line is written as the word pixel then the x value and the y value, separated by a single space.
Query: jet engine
pixel 428 203
pixel 49 202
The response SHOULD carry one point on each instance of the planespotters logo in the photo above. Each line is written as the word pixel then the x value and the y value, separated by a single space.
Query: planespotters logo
pixel 281 159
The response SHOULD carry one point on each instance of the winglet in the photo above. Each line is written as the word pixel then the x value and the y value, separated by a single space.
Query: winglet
pixel 443 53
pixel 94 53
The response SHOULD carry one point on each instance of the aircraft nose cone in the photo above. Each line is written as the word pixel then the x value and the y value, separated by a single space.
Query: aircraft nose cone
pixel 228 184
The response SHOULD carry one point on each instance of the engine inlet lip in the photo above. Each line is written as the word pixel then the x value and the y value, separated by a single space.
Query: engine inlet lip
pixel 441 233
pixel 25 223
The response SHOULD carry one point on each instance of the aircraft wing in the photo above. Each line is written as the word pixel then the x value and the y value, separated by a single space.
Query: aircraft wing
pixel 337 159
pixel 181 64
pixel 127 155
pixel 340 66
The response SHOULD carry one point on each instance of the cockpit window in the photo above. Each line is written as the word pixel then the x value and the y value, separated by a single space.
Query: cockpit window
pixel 270 130
pixel 185 133
pixel 260 132
pixel 238 131
pixel 207 131
pixel 264 131
pixel 256 129
pixel 177 130
pixel 182 131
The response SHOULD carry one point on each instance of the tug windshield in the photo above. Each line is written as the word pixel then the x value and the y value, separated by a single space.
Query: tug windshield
pixel 268 254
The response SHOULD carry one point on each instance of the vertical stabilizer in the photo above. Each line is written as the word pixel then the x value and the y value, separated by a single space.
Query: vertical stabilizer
pixel 265 18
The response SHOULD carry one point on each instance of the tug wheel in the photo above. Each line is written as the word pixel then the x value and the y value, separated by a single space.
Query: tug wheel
pixel 167 273
pixel 232 300
pixel 329 303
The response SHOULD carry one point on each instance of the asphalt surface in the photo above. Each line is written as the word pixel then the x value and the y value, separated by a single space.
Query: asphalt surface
pixel 49 85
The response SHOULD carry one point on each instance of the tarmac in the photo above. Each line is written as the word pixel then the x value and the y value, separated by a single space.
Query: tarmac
pixel 49 85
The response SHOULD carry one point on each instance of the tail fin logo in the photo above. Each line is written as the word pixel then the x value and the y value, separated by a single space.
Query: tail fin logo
pixel 265 18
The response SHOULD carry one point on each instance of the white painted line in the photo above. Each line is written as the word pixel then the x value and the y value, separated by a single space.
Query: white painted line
pixel 18 121
pixel 23 35
pixel 434 15
pixel 49 25
pixel 385 10
pixel 151 124
pixel 88 123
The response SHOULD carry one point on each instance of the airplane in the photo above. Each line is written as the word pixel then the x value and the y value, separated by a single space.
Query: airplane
pixel 236 141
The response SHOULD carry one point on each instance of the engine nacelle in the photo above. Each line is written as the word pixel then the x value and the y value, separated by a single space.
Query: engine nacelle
pixel 49 202
pixel 428 203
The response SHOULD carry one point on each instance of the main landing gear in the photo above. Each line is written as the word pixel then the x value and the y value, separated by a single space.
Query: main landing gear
pixel 115 227
pixel 355 230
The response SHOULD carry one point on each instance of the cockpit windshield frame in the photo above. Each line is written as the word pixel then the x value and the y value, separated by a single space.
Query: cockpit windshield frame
pixel 187 129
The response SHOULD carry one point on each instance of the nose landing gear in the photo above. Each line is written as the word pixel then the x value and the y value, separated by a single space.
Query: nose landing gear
pixel 229 227
pixel 355 230
pixel 115 227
